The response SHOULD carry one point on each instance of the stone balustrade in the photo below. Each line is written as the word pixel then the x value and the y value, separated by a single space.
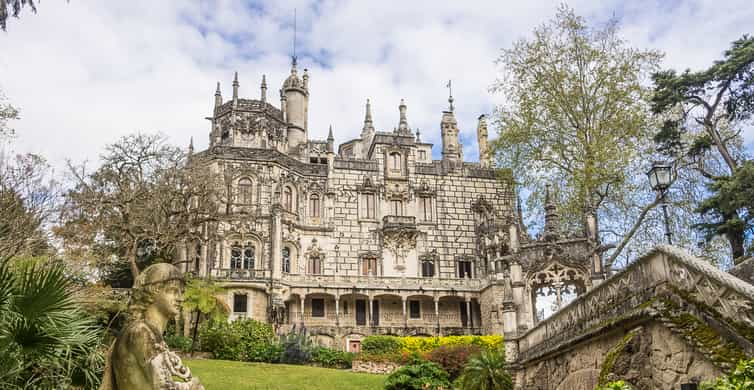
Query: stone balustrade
pixel 383 282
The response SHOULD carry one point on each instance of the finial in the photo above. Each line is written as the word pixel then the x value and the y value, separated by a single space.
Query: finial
pixel 551 216
pixel 306 78
pixel 235 78
pixel 450 95
pixel 403 123
pixel 368 116
pixel 235 89
pixel 418 136
pixel 368 125
pixel 191 145
pixel 330 142
pixel 329 134
pixel 217 91
pixel 218 96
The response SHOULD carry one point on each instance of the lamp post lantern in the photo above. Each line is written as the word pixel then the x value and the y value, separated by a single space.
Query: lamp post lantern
pixel 660 178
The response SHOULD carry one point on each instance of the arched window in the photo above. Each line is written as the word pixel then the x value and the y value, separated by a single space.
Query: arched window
pixel 286 259
pixel 245 194
pixel 428 268
pixel 289 201
pixel 314 206
pixel 235 256
pixel 396 207
pixel 314 265
pixel 249 253
pixel 395 161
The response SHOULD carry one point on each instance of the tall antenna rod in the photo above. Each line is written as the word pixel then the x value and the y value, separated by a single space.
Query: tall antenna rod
pixel 294 36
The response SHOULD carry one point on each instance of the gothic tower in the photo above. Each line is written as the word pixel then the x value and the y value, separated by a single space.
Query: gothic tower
pixel 296 100
pixel 451 147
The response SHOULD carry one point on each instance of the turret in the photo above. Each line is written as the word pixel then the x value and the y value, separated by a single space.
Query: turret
pixel 235 90
pixel 263 96
pixel 330 141
pixel 403 122
pixel 484 148
pixel 451 147
pixel 552 219
pixel 218 96
pixel 296 93
pixel 368 128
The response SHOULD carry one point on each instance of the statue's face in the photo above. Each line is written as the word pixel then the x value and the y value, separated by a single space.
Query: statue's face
pixel 168 301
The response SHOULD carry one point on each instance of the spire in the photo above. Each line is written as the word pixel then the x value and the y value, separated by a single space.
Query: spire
pixel 330 141
pixel 191 146
pixel 218 96
pixel 418 136
pixel 368 124
pixel 264 89
pixel 403 123
pixel 482 141
pixel 306 78
pixel 235 89
pixel 450 96
pixel 551 217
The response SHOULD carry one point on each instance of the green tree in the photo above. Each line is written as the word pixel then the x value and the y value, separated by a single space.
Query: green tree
pixel 46 340
pixel 704 114
pixel 577 114
pixel 486 371
pixel 200 297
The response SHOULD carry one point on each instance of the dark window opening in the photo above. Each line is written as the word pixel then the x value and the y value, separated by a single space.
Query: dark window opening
pixel 428 268
pixel 414 309
pixel 464 269
pixel 240 303
pixel 318 307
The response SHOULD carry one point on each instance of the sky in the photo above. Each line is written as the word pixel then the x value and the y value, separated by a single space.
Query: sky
pixel 84 73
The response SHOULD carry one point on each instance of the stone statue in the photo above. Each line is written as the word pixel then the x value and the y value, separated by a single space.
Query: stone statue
pixel 139 358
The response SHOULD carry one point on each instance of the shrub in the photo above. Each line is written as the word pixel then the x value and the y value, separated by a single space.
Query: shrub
pixel 180 343
pixel 381 344
pixel 741 378
pixel 244 340
pixel 486 371
pixel 617 385
pixel 221 339
pixel 297 347
pixel 327 357
pixel 419 375
pixel 453 358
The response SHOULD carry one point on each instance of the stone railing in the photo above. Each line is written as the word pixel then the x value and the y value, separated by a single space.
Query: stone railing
pixel 398 221
pixel 382 282
pixel 240 274
pixel 698 280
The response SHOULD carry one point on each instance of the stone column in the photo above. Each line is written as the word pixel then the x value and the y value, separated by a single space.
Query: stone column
pixel 303 301
pixel 337 310
pixel 369 314
pixel 513 234
pixel 518 299
pixel 277 242
pixel 469 320
pixel 405 317
pixel 437 314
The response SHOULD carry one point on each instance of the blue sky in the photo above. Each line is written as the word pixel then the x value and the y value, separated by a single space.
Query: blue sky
pixel 84 73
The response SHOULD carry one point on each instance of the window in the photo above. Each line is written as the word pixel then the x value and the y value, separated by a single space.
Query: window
pixel 197 256
pixel 248 256
pixel 245 191
pixel 314 206
pixel 369 266
pixel 425 208
pixel 345 307
pixel 240 303
pixel 422 155
pixel 464 269
pixel 235 256
pixel 428 268
pixel 367 206
pixel 314 266
pixel 288 200
pixel 395 161
pixel 286 259
pixel 318 307
pixel 414 309
pixel 396 207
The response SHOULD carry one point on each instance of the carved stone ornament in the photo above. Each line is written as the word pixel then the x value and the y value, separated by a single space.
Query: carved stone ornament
pixel 399 242
pixel 139 358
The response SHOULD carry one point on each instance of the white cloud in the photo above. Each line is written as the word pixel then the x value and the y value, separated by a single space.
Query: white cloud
pixel 84 73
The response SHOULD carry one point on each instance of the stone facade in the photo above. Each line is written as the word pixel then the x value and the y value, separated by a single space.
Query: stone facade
pixel 376 237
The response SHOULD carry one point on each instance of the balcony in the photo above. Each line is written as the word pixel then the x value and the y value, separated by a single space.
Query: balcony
pixel 381 282
pixel 240 274
pixel 398 222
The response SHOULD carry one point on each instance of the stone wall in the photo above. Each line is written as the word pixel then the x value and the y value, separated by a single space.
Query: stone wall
pixel 374 367
pixel 648 357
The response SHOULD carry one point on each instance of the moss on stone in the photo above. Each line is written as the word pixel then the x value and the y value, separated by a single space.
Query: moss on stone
pixel 612 356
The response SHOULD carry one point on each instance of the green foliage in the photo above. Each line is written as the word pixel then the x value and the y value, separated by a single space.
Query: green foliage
pixel 332 358
pixel 297 347
pixel 418 375
pixel 453 358
pixel 177 342
pixel 243 340
pixel 379 344
pixel 730 207
pixel 486 371
pixel 617 385
pixel 742 378
pixel 46 340
pixel 577 113
pixel 201 295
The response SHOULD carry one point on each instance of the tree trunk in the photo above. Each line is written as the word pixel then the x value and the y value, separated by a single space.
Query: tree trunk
pixel 132 260
pixel 196 328
pixel 627 237
pixel 735 238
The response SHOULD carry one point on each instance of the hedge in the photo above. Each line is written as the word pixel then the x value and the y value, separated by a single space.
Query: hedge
pixel 377 345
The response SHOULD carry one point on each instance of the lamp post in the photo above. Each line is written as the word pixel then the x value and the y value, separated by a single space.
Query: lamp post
pixel 660 178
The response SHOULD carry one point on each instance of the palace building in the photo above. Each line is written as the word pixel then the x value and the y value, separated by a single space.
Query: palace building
pixel 374 236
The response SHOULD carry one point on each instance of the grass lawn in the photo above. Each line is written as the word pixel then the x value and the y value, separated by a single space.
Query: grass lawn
pixel 227 375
